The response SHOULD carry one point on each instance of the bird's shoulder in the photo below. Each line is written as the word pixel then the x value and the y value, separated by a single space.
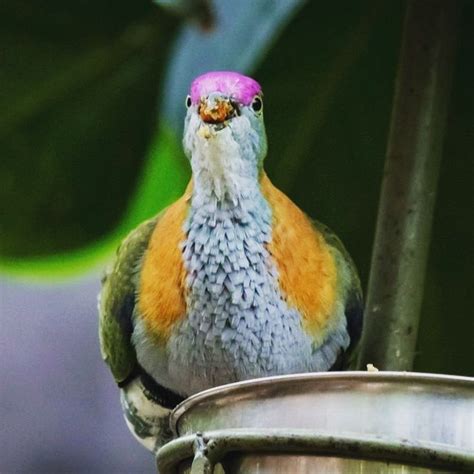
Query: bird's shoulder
pixel 139 282
pixel 315 271
pixel 350 288
pixel 161 286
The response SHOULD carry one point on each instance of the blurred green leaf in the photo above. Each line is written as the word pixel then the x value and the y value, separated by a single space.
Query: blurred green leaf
pixel 78 109
pixel 160 182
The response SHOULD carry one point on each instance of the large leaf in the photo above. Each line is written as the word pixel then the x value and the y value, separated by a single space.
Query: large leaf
pixel 159 183
pixel 78 101
pixel 84 126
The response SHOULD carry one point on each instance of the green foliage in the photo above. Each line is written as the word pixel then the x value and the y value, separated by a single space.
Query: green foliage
pixel 83 112
pixel 79 94
pixel 162 165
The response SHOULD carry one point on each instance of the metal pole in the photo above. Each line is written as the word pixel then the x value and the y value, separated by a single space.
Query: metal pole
pixel 408 193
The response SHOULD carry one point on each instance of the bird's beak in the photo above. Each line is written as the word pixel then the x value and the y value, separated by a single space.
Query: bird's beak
pixel 216 109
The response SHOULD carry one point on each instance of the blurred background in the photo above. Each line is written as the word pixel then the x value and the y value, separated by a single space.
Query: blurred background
pixel 91 106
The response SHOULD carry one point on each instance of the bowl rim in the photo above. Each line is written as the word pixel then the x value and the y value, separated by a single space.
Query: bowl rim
pixel 361 376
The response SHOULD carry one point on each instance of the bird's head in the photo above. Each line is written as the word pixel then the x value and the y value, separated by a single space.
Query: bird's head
pixel 224 132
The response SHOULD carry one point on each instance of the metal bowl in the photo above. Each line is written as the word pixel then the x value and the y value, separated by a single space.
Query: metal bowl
pixel 383 422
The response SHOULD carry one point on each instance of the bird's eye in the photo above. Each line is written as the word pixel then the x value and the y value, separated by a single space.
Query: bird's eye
pixel 188 101
pixel 257 104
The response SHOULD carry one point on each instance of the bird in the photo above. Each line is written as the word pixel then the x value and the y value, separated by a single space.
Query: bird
pixel 230 282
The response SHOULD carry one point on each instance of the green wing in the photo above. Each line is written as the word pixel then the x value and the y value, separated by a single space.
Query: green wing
pixel 333 240
pixel 351 286
pixel 117 301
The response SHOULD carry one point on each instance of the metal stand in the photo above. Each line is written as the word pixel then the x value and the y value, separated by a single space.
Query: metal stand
pixel 224 442
pixel 408 193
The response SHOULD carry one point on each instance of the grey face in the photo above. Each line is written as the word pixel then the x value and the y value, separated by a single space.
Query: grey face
pixel 218 121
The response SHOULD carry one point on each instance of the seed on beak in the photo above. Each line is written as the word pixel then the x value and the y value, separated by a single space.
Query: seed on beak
pixel 204 132
pixel 219 111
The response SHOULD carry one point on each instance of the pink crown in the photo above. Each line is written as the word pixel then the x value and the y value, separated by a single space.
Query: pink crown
pixel 241 88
